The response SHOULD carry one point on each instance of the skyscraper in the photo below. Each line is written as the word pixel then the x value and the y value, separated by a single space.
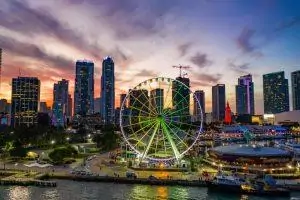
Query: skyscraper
pixel 97 105
pixel 181 98
pixel 296 89
pixel 245 95
pixel 122 99
pixel 276 93
pixel 43 107
pixel 4 106
pixel 157 100
pixel 218 102
pixel 0 67
pixel 200 95
pixel 25 101
pixel 108 90
pixel 70 106
pixel 60 102
pixel 84 88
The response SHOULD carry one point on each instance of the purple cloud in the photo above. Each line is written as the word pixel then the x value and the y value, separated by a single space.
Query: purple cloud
pixel 201 60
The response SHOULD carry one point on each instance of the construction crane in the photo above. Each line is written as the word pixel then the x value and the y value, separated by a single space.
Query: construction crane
pixel 180 67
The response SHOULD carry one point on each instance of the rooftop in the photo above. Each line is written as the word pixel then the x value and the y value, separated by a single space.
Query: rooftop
pixel 249 150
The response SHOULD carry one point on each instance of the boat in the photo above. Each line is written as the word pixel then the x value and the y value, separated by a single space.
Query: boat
pixel 258 187
pixel 228 183
pixel 265 187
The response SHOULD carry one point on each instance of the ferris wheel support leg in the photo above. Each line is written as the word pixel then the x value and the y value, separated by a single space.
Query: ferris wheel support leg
pixel 150 142
pixel 173 145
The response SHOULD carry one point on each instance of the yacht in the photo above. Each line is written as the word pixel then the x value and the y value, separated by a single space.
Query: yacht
pixel 226 182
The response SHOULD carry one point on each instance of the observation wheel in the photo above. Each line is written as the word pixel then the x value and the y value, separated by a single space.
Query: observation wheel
pixel 161 119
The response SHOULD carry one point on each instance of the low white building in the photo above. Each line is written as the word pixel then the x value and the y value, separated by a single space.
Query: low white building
pixel 291 116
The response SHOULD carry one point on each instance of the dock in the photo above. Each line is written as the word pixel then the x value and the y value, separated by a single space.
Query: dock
pixel 124 180
pixel 25 179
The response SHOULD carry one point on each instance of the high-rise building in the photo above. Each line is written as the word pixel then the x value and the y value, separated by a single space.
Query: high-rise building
pixel 181 98
pixel 245 95
pixel 97 105
pixel 70 106
pixel 276 93
pixel 200 101
pixel 218 102
pixel 296 89
pixel 0 67
pixel 122 99
pixel 4 106
pixel 84 88
pixel 25 101
pixel 60 102
pixel 157 100
pixel 108 91
pixel 43 107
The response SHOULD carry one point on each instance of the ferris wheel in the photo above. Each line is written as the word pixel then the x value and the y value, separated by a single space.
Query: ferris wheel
pixel 156 119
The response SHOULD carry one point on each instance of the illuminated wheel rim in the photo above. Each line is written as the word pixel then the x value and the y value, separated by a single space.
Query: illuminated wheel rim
pixel 156 119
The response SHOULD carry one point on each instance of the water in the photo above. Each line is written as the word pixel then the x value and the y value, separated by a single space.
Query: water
pixel 69 190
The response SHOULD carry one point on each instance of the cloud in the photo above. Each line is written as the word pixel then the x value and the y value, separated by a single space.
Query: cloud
pixel 184 48
pixel 205 80
pixel 285 24
pixel 146 73
pixel 239 68
pixel 200 60
pixel 132 18
pixel 32 51
pixel 20 17
pixel 244 40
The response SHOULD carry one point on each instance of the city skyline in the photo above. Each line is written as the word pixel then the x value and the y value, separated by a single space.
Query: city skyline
pixel 218 37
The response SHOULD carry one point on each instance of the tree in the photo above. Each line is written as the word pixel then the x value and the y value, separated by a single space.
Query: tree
pixel 59 154
pixel 18 150
pixel 6 152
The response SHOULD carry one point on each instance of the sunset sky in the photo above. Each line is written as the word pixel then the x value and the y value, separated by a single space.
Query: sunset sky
pixel 219 39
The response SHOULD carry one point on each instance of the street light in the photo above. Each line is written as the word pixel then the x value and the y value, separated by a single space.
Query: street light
pixel 52 142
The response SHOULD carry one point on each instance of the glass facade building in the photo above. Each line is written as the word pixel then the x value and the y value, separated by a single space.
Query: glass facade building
pixel 276 93
pixel 296 89
pixel 218 102
pixel 25 101
pixel 245 95
pixel 60 106
pixel 84 88
pixel 108 91
pixel 200 95
pixel 181 98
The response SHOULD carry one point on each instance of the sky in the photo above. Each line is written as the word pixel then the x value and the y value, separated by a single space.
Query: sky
pixel 219 39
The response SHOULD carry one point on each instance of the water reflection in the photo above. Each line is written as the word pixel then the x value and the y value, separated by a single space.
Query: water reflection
pixel 52 194
pixel 19 193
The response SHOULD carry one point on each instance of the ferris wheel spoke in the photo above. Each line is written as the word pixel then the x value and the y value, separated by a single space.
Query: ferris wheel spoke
pixel 176 111
pixel 167 95
pixel 171 102
pixel 150 141
pixel 180 129
pixel 138 123
pixel 143 106
pixel 141 139
pixel 182 123
pixel 171 141
pixel 143 111
pixel 153 99
pixel 174 133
